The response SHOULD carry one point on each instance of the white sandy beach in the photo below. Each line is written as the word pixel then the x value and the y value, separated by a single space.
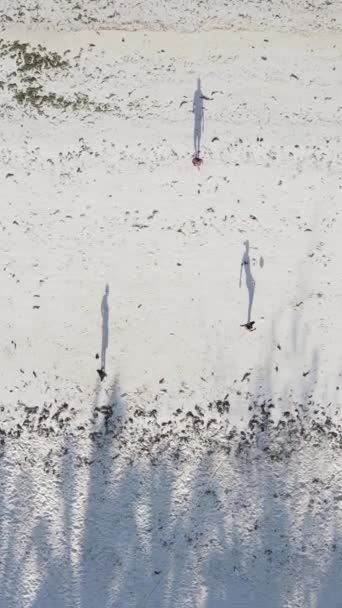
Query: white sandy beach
pixel 205 470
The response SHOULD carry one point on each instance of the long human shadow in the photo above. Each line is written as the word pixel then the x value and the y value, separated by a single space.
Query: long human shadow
pixel 198 111
pixel 105 332
pixel 250 281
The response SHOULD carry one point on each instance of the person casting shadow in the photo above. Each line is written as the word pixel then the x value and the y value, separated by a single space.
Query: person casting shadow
pixel 198 110
pixel 105 332
pixel 250 284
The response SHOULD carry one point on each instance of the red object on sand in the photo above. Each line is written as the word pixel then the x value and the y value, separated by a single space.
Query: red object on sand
pixel 196 161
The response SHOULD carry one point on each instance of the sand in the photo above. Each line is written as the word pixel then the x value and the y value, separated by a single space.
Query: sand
pixel 205 469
